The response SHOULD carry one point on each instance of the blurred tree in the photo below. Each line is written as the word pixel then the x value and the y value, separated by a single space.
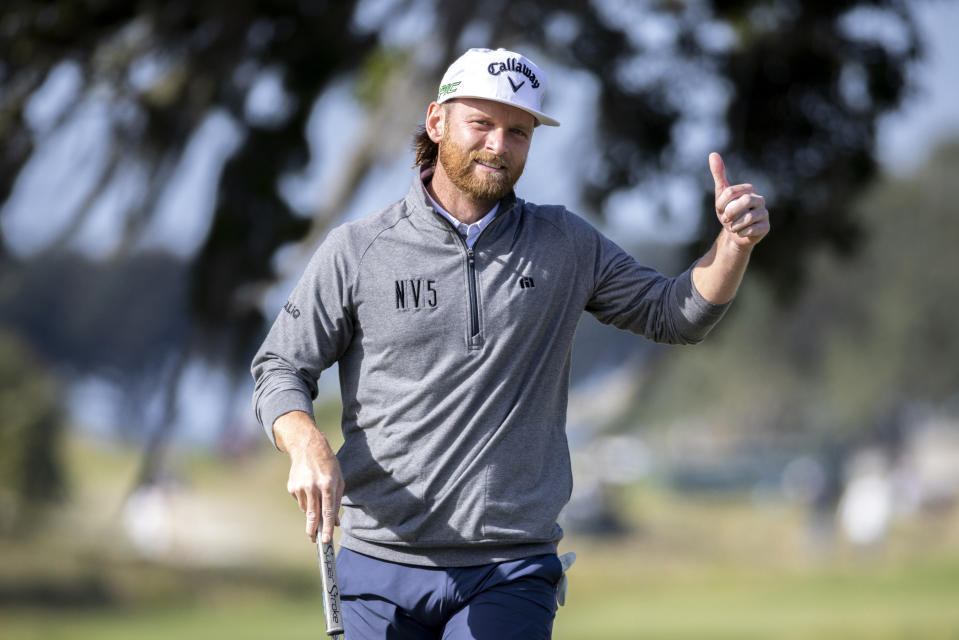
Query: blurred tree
pixel 31 471
pixel 163 67
pixel 795 88
pixel 888 337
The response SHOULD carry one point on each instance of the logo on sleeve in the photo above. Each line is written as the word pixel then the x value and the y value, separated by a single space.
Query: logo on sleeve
pixel 415 293
pixel 291 309
pixel 526 283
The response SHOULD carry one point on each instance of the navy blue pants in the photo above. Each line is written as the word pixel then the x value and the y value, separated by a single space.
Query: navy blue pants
pixel 385 600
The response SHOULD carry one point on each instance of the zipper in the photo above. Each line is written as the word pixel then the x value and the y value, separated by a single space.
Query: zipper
pixel 471 282
pixel 470 279
pixel 471 273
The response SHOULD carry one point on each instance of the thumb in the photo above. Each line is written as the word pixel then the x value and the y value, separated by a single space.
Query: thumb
pixel 718 168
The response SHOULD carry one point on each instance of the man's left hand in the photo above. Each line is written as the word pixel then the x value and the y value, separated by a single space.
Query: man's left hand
pixel 740 210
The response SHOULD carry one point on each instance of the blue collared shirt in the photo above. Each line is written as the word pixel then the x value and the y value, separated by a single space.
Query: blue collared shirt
pixel 469 231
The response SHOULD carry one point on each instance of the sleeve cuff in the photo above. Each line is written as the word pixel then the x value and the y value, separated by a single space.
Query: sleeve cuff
pixel 700 314
pixel 280 403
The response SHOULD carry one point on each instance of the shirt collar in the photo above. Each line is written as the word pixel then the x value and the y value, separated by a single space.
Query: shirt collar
pixel 480 224
pixel 421 207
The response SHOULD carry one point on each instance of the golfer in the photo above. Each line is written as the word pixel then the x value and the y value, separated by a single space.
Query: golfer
pixel 451 313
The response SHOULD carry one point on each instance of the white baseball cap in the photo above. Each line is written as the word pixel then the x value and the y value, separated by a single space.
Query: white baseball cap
pixel 501 76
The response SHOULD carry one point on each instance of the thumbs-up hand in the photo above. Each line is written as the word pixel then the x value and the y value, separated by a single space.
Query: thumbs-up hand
pixel 740 210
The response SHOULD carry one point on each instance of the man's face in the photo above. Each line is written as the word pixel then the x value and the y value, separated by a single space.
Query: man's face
pixel 484 146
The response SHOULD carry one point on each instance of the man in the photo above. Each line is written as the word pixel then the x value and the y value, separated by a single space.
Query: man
pixel 451 314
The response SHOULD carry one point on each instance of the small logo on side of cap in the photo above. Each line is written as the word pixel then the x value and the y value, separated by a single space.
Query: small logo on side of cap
pixel 448 88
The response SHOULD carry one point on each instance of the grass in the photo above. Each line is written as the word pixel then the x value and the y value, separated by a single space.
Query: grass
pixel 708 567
pixel 611 596
pixel 752 602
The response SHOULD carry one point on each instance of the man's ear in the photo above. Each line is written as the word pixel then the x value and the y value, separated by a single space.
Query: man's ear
pixel 435 121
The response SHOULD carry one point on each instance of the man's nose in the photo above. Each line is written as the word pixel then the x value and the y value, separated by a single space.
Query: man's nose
pixel 496 141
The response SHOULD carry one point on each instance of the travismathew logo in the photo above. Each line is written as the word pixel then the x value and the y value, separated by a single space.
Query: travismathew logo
pixel 513 64
pixel 526 283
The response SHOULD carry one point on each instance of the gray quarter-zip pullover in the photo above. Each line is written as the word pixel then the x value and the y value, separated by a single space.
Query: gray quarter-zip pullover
pixel 454 369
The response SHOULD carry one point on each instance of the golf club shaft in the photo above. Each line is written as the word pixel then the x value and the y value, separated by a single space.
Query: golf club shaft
pixel 331 588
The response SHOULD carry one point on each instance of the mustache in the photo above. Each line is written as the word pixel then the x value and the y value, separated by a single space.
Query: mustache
pixel 491 159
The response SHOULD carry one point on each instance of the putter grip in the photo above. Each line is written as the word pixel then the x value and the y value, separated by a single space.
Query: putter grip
pixel 331 588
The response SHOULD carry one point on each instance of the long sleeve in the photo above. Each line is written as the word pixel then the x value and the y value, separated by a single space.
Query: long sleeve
pixel 310 333
pixel 637 298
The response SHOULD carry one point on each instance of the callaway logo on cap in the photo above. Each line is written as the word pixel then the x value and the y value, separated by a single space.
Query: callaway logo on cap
pixel 500 76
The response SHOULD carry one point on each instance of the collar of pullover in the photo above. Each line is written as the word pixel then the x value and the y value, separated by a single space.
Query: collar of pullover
pixel 421 207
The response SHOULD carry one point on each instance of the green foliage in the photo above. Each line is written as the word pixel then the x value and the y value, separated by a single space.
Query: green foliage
pixel 890 331
pixel 374 76
pixel 31 472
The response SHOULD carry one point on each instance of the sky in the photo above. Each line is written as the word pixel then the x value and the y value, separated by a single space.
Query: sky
pixel 931 116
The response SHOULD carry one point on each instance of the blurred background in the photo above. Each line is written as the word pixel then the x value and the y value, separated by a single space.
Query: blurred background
pixel 166 169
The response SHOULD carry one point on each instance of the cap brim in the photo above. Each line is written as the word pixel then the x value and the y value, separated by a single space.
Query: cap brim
pixel 541 118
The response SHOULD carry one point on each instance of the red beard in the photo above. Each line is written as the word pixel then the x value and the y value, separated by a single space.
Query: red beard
pixel 479 185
